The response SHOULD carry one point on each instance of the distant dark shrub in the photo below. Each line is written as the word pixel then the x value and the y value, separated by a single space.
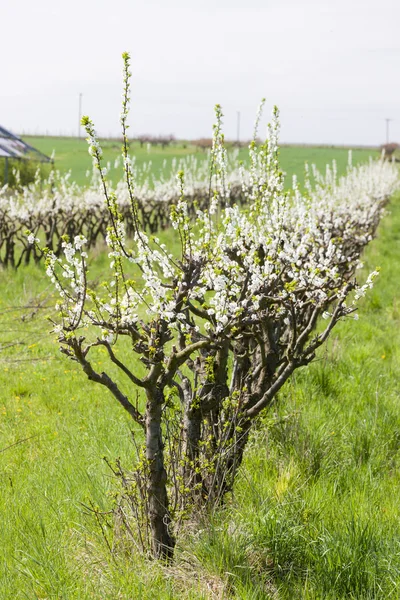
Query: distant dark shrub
pixel 389 149
pixel 203 143
pixel 163 140
pixel 21 172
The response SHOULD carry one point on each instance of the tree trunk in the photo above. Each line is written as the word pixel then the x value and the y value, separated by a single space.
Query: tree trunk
pixel 160 521
pixel 191 436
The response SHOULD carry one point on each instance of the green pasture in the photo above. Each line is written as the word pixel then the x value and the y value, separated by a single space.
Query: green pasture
pixel 72 154
pixel 315 513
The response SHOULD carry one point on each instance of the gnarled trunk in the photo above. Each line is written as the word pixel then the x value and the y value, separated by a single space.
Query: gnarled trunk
pixel 163 541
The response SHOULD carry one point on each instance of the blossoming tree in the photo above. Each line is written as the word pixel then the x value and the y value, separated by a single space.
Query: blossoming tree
pixel 215 332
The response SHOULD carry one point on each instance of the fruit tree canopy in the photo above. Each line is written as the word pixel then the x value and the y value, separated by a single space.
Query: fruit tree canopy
pixel 11 146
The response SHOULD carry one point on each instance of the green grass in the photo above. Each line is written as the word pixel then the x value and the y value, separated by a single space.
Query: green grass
pixel 71 154
pixel 315 513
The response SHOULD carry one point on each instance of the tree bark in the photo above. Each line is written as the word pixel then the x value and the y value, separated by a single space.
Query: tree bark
pixel 160 520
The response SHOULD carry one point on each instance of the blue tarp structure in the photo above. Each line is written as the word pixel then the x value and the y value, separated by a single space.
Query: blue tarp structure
pixel 11 146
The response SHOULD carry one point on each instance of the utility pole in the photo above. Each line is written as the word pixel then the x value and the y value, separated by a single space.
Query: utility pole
pixel 238 127
pixel 80 115
pixel 387 129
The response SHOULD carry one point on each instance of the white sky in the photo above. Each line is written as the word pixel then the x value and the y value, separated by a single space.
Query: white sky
pixel 333 67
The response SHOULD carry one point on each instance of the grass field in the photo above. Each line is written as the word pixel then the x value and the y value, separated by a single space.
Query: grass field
pixel 71 154
pixel 315 512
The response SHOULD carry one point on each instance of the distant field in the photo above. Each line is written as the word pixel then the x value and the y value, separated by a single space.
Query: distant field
pixel 71 154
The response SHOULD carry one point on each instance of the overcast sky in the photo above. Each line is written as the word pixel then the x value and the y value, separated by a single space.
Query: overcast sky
pixel 332 67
